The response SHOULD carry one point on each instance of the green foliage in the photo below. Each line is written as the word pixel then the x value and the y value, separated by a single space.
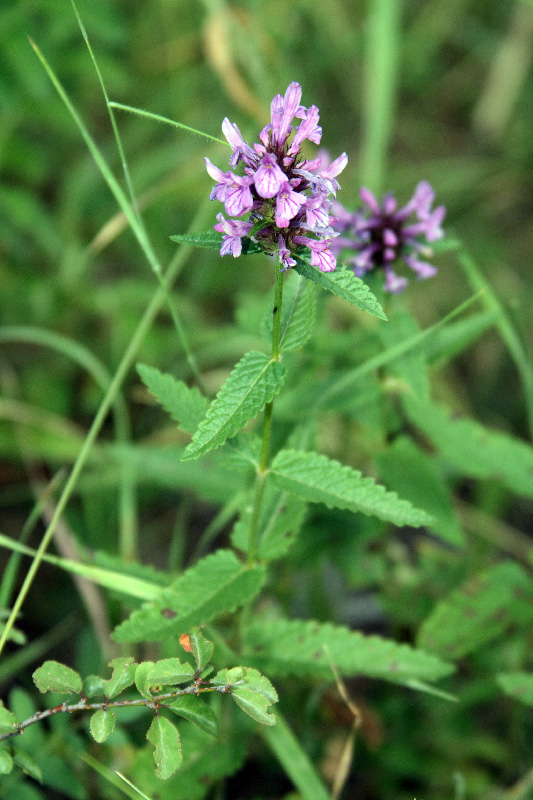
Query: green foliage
pixel 309 648
pixel 217 585
pixel 251 691
pixel 211 240
pixel 281 517
pixel 55 677
pixel 185 404
pixel 518 685
pixel 253 383
pixel 167 754
pixel 297 314
pixel 343 283
pixel 196 711
pixel 123 676
pixel 102 724
pixel 316 478
pixel 479 611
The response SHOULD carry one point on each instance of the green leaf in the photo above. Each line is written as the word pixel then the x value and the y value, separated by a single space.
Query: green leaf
pixel 142 681
pixel 6 762
pixel 317 478
pixel 412 366
pixel 164 736
pixel 8 721
pixel 251 691
pixel 197 712
pixel 479 611
pixel 417 477
pixel 280 518
pixel 343 283
pixel 474 450
pixel 169 672
pixel 297 314
pixel 296 647
pixel 28 765
pixel 517 684
pixel 212 240
pixel 55 677
pixel 184 403
pixel 216 585
pixel 93 685
pixel 122 677
pixel 252 383
pixel 202 649
pixel 102 724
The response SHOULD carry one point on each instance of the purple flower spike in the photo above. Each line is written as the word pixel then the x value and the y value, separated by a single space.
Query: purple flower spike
pixel 286 195
pixel 381 236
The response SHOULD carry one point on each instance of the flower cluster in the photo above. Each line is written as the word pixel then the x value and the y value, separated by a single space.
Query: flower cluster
pixel 285 194
pixel 382 234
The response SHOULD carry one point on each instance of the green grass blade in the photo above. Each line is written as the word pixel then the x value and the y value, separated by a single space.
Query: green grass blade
pixel 294 760
pixel 158 118
pixel 507 330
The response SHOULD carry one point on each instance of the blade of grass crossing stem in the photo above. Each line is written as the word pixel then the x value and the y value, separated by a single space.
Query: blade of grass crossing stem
pixel 351 378
pixel 294 760
pixel 507 330
pixel 165 120
pixel 101 376
pixel 382 47
pixel 136 226
pixel 123 368
pixel 114 778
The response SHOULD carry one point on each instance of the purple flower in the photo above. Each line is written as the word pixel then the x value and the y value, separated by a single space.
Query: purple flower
pixel 285 193
pixel 381 236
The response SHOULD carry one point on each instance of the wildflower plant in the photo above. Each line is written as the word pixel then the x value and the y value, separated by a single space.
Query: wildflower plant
pixel 252 448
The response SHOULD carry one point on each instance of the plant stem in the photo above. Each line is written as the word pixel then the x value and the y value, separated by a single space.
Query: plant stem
pixel 267 423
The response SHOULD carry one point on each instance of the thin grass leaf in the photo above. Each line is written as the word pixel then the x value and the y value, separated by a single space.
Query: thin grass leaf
pixel 165 120
pixel 252 383
pixel 318 479
pixel 212 240
pixel 343 283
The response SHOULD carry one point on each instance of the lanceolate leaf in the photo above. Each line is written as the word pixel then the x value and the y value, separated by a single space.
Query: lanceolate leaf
pixel 518 685
pixel 316 478
pixel 297 647
pixel 474 450
pixel 166 740
pixel 185 404
pixel 297 313
pixel 253 383
pixel 216 585
pixel 343 283
pixel 479 611
pixel 212 240
pixel 55 677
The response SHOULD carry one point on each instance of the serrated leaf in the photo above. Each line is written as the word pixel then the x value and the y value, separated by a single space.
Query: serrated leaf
pixel 197 712
pixel 297 314
pixel 102 724
pixel 296 647
pixel 169 672
pixel 8 721
pixel 251 691
pixel 164 736
pixel 216 585
pixel 317 478
pixel 6 762
pixel 416 476
pixel 280 518
pixel 518 685
pixel 184 403
pixel 122 677
pixel 479 611
pixel 93 685
pixel 142 682
pixel 252 383
pixel 474 450
pixel 212 240
pixel 55 677
pixel 343 283
pixel 28 765
pixel 202 649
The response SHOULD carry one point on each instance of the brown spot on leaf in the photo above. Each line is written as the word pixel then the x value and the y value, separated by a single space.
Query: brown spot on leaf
pixel 185 641
pixel 168 613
